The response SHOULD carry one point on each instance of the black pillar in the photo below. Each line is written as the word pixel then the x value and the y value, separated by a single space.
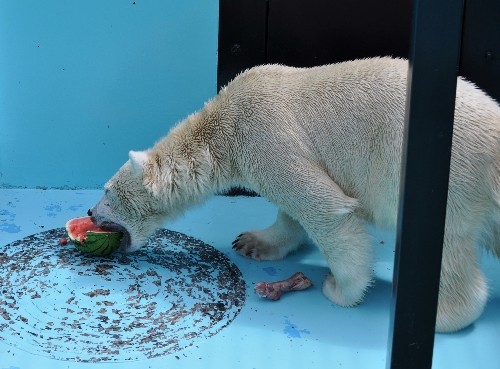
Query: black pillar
pixel 433 66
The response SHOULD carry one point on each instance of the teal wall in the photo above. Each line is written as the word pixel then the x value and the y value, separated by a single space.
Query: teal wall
pixel 84 82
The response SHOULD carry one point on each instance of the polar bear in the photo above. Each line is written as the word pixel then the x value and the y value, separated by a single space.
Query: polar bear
pixel 324 145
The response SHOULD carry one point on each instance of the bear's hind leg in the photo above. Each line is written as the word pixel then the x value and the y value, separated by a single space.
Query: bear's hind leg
pixel 272 243
pixel 462 291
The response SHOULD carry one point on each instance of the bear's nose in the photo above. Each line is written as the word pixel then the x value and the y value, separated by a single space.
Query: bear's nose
pixel 89 213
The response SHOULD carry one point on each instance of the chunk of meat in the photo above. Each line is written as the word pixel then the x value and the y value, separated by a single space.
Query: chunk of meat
pixel 274 290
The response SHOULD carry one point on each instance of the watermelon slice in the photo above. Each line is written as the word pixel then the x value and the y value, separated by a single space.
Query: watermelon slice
pixel 90 239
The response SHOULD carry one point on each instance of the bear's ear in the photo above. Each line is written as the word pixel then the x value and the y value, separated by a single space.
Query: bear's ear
pixel 138 159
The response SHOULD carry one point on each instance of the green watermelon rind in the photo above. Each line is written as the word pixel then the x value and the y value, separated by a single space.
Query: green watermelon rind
pixel 100 243
pixel 96 243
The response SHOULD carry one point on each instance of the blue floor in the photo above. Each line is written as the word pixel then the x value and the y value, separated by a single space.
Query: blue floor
pixel 302 330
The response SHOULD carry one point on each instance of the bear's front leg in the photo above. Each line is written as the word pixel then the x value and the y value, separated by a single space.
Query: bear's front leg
pixel 272 243
pixel 346 244
pixel 333 222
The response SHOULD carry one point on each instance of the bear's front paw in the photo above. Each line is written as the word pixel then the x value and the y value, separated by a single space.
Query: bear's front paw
pixel 252 245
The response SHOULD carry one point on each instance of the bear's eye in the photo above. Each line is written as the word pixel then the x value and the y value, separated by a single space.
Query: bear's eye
pixel 109 196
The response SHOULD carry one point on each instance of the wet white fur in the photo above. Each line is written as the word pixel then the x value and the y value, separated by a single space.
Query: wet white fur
pixel 323 144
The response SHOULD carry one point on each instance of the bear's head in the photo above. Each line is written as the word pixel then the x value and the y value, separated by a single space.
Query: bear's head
pixel 128 206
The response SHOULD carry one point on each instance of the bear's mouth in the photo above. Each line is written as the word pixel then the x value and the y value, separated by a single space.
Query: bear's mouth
pixel 115 227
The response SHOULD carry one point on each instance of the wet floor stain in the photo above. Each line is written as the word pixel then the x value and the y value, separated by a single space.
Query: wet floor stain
pixel 292 331
pixel 6 215
pixel 53 210
pixel 9 228
pixel 7 222
pixel 12 204
pixel 76 207
pixel 270 271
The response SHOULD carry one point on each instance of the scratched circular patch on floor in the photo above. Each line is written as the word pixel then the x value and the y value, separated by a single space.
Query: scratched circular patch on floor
pixel 173 293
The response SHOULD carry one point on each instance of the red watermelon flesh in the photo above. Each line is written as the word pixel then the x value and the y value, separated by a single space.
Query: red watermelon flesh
pixel 78 227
